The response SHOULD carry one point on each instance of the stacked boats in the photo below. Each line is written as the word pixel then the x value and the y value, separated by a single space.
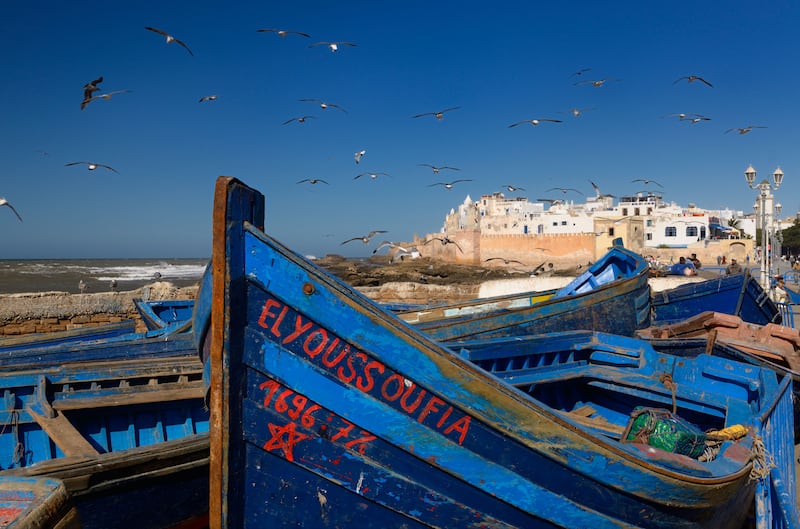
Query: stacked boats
pixel 282 397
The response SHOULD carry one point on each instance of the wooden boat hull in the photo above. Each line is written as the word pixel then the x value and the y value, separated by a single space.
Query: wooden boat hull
pixel 82 334
pixel 328 411
pixel 613 297
pixel 162 313
pixel 109 430
pixel 736 294
pixel 36 503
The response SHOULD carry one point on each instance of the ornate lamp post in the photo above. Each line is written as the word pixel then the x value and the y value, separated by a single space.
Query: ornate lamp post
pixel 765 212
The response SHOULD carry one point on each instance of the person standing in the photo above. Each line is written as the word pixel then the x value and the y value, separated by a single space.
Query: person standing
pixel 733 268
pixel 778 293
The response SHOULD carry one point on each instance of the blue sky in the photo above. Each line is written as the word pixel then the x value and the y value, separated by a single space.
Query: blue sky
pixel 500 62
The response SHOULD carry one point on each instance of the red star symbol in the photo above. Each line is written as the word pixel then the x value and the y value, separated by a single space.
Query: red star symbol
pixel 277 441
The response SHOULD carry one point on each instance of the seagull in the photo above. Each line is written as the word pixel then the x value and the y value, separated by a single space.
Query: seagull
pixel 505 261
pixel 208 98
pixel 693 78
pixel 437 168
pixel 358 155
pixel 283 32
pixel 692 118
pixel 92 166
pixel 535 122
pixel 552 201
pixel 390 244
pixel 445 241
pixel 576 112
pixel 107 96
pixel 439 114
pixel 697 119
pixel 323 105
pixel 579 72
pixel 4 202
pixel 647 182
pixel 312 181
pixel 597 190
pixel 169 38
pixel 597 82
pixel 371 175
pixel 91 87
pixel 564 190
pixel 449 185
pixel 333 46
pixel 365 238
pixel 511 189
pixel 745 130
pixel 301 119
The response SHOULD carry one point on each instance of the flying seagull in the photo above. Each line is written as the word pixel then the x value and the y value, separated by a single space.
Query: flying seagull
pixel 4 202
pixel 647 182
pixel 551 201
pixel 92 166
pixel 439 114
pixel 697 118
pixel 322 104
pixel 312 181
pixel 358 155
pixel 333 46
pixel 597 191
pixel 691 79
pixel 437 168
pixel 597 82
pixel 576 112
pixel 445 241
pixel 449 185
pixel 511 189
pixel 107 96
pixel 745 130
pixel 91 87
pixel 505 261
pixel 283 32
pixel 169 38
pixel 535 122
pixel 301 119
pixel 365 238
pixel 208 98
pixel 579 72
pixel 371 175
pixel 564 190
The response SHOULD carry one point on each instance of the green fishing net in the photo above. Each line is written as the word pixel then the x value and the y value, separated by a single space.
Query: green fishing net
pixel 663 429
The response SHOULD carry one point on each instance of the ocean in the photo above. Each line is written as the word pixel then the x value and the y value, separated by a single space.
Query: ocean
pixel 65 275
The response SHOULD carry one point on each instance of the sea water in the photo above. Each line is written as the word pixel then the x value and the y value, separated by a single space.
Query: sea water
pixel 98 275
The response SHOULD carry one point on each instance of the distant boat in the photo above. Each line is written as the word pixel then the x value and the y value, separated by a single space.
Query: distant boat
pixel 612 295
pixel 36 503
pixel 129 439
pixel 80 334
pixel 736 294
pixel 329 411
pixel 157 314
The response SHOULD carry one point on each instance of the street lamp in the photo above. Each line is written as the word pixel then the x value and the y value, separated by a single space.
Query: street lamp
pixel 765 210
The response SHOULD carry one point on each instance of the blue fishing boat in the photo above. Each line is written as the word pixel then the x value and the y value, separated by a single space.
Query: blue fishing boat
pixel 80 334
pixel 126 437
pixel 329 411
pixel 158 314
pixel 736 294
pixel 36 503
pixel 164 343
pixel 612 295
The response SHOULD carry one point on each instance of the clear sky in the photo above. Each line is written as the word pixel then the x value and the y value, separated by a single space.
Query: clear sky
pixel 499 62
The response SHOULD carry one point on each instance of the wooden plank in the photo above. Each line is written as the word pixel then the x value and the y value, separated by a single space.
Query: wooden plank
pixel 63 434
pixel 129 396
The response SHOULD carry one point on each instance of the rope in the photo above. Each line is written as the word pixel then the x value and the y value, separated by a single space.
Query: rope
pixel 19 448
pixel 666 379
pixel 762 460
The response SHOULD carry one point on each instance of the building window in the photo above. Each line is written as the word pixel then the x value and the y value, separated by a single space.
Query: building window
pixel 555 223
pixel 636 212
pixel 650 222
pixel 702 232
pixel 611 231
pixel 671 231
pixel 691 231
pixel 624 212
pixel 648 236
pixel 563 222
